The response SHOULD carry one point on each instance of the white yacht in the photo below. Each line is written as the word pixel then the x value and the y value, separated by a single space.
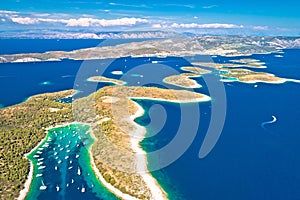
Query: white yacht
pixel 43 186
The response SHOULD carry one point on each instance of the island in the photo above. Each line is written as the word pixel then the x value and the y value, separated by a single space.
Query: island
pixel 195 70
pixel 235 72
pixel 213 65
pixel 250 63
pixel 103 79
pixel 248 76
pixel 117 153
pixel 183 80
pixel 117 72
pixel 177 46
pixel 116 156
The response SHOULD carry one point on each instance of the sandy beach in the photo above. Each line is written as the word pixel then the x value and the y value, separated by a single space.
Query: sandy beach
pixel 141 164
pixel 205 98
pixel 27 184
pixel 111 188
pixel 141 160
pixel 28 181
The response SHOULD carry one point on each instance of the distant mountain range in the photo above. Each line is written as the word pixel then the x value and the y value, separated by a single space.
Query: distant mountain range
pixel 84 34
pixel 178 45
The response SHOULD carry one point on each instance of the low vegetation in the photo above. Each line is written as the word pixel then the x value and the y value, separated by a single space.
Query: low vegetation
pixel 22 128
pixel 249 76
pixel 183 80
pixel 108 111
pixel 102 79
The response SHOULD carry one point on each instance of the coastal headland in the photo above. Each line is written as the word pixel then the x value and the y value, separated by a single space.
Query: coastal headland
pixel 116 152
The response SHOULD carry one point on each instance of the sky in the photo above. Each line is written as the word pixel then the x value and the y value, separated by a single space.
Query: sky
pixel 255 17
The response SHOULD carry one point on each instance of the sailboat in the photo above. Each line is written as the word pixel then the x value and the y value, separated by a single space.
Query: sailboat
pixel 39 163
pixel 82 189
pixel 41 167
pixel 78 171
pixel 43 186
pixel 57 188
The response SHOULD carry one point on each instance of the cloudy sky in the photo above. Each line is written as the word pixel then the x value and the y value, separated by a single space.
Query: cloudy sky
pixel 256 17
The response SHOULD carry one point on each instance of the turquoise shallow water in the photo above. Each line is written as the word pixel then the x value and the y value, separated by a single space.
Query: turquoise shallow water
pixel 62 167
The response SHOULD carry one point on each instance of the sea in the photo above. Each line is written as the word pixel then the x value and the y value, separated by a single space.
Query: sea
pixel 256 155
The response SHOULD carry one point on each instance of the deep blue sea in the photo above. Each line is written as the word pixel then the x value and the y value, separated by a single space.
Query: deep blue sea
pixel 249 161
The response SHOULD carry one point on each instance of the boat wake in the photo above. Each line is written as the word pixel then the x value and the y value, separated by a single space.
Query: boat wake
pixel 263 125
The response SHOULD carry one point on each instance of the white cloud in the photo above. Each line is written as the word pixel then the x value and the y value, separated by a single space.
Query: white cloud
pixel 8 12
pixel 221 26
pixel 129 5
pixel 123 22
pixel 192 25
pixel 207 26
pixel 103 22
pixel 41 14
pixel 260 28
pixel 180 5
pixel 209 7
pixel 156 26
pixel 189 6
pixel 84 22
pixel 24 20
